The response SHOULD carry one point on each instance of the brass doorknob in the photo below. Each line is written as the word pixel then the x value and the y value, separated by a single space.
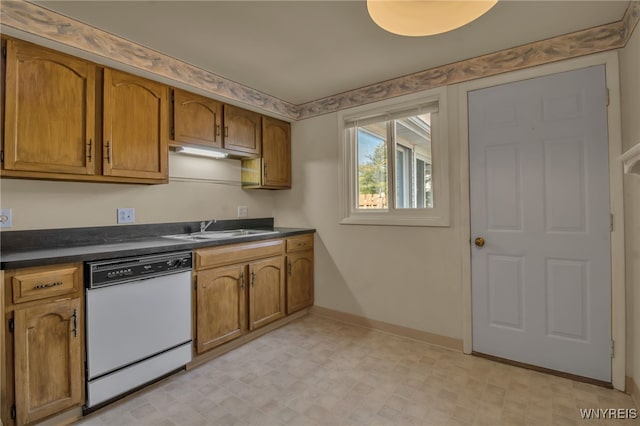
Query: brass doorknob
pixel 479 242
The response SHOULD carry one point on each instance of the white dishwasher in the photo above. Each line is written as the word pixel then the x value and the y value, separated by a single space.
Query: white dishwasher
pixel 138 323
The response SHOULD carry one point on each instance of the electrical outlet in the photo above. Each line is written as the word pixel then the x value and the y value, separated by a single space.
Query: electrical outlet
pixel 126 215
pixel 5 218
pixel 243 211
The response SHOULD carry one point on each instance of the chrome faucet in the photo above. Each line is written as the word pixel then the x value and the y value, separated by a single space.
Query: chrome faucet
pixel 205 225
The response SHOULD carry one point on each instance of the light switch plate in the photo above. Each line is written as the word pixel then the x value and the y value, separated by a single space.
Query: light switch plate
pixel 126 215
pixel 5 218
pixel 243 211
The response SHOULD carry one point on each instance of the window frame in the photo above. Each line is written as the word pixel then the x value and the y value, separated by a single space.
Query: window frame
pixel 439 215
pixel 407 174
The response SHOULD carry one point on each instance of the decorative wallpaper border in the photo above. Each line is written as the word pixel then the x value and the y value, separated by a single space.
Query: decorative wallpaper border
pixel 580 43
pixel 41 22
pixel 631 18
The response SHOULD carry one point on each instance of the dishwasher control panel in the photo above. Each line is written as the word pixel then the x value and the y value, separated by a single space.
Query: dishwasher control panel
pixel 117 271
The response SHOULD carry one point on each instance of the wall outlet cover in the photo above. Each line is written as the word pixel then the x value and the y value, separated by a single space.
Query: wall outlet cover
pixel 243 211
pixel 6 221
pixel 126 215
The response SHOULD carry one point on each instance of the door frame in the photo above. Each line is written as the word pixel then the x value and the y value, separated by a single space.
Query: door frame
pixel 616 195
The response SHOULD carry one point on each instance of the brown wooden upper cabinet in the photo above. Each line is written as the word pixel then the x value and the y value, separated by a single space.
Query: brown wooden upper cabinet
pixel 49 111
pixel 242 130
pixel 196 119
pixel 65 119
pixel 135 127
pixel 273 169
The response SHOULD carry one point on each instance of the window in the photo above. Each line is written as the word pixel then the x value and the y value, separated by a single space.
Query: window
pixel 395 165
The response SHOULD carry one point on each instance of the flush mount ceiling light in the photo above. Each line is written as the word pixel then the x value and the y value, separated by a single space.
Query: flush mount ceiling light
pixel 200 152
pixel 422 18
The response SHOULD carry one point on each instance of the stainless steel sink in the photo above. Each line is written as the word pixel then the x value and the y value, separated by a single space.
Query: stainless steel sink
pixel 218 235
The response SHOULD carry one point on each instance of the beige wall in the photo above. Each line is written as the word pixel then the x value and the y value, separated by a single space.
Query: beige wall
pixel 630 88
pixel 198 189
pixel 408 276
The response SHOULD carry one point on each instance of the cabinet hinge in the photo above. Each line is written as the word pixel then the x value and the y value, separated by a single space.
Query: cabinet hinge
pixel 11 325
pixel 173 98
pixel 613 348
pixel 4 52
pixel 173 133
pixel 13 412
pixel 611 222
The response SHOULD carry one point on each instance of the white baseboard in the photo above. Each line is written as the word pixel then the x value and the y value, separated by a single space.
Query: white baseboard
pixel 398 330
pixel 632 389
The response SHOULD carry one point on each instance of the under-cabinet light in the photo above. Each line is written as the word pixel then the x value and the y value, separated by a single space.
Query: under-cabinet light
pixel 201 152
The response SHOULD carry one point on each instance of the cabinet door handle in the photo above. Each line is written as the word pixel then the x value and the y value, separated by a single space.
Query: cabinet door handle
pixel 265 169
pixel 75 323
pixel 253 279
pixel 226 131
pixel 109 152
pixel 47 285
pixel 90 155
pixel 242 281
pixel 290 266
pixel 217 130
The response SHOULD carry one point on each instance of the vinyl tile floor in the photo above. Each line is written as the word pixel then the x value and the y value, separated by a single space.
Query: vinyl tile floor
pixel 316 371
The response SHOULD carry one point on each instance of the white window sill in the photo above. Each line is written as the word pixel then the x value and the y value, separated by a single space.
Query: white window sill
pixel 386 219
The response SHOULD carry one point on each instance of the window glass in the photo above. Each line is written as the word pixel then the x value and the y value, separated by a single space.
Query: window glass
pixel 424 190
pixel 411 142
pixel 413 155
pixel 372 166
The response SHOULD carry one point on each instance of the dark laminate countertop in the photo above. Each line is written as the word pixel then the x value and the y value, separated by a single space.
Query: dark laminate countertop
pixel 21 249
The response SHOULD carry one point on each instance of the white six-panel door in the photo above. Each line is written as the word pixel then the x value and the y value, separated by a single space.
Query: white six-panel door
pixel 539 182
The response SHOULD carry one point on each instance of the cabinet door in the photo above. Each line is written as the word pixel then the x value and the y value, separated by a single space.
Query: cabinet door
pixel 135 127
pixel 276 153
pixel 220 306
pixel 48 362
pixel 196 119
pixel 242 130
pixel 266 295
pixel 299 280
pixel 49 115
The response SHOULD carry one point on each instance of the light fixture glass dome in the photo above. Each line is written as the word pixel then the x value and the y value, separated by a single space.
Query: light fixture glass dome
pixel 422 18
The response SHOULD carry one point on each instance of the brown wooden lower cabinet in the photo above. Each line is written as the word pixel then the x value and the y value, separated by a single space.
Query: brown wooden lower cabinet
pixel 48 359
pixel 239 288
pixel 299 280
pixel 300 290
pixel 43 342
pixel 220 306
pixel 266 295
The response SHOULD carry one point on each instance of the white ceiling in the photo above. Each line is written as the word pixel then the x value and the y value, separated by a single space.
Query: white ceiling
pixel 301 51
